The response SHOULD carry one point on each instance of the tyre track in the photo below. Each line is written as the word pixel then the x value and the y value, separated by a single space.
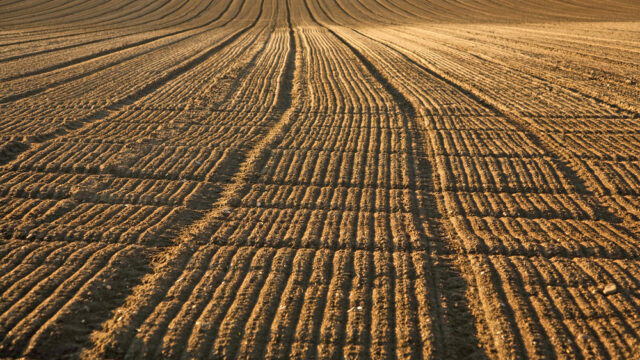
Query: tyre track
pixel 442 289
pixel 221 324
pixel 30 343
pixel 164 220
pixel 579 184
pixel 145 348
pixel 517 337
pixel 255 157
pixel 320 192
pixel 508 315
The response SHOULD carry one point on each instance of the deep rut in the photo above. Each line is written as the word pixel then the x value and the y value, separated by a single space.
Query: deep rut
pixel 257 156
pixel 454 324
pixel 173 262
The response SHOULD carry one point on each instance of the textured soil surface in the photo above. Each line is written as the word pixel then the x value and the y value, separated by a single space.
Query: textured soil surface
pixel 440 179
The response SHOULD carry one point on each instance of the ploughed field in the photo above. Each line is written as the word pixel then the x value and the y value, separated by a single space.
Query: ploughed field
pixel 319 178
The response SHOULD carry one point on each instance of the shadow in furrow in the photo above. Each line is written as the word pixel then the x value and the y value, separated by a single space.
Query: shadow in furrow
pixel 454 328
pixel 107 51
pixel 251 162
pixel 141 93
pixel 578 183
pixel 196 61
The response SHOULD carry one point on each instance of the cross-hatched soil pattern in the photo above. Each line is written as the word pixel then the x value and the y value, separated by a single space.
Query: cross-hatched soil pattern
pixel 438 179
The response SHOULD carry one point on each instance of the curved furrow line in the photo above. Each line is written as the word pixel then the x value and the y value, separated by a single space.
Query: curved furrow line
pixel 98 295
pixel 281 108
pixel 8 3
pixel 552 41
pixel 18 267
pixel 96 19
pixel 352 11
pixel 359 284
pixel 605 243
pixel 80 157
pixel 393 7
pixel 67 299
pixel 35 4
pixel 103 53
pixel 109 52
pixel 510 11
pixel 110 28
pixel 89 9
pixel 27 37
pixel 583 91
pixel 198 58
pixel 440 327
pixel 213 317
pixel 444 234
pixel 388 343
pixel 7 252
pixel 106 25
pixel 48 8
pixel 148 349
pixel 619 109
pixel 46 13
pixel 410 10
pixel 377 7
pixel 536 106
pixel 310 178
pixel 152 221
pixel 43 289
pixel 532 122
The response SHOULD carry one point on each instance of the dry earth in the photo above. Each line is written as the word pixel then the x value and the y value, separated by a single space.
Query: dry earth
pixel 319 178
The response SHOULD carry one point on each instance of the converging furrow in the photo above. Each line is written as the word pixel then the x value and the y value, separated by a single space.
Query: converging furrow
pixel 222 179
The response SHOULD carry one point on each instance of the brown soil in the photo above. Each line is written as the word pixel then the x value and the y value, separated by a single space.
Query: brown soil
pixel 319 178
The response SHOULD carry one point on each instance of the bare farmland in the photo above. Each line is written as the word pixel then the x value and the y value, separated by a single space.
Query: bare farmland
pixel 319 178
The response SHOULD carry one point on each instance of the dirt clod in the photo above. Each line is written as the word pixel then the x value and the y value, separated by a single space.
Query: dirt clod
pixel 610 289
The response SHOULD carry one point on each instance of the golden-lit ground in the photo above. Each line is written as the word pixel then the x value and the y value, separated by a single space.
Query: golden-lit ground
pixel 319 178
